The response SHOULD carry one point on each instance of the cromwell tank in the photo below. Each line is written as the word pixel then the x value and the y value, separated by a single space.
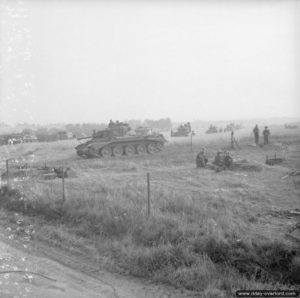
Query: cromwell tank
pixel 116 140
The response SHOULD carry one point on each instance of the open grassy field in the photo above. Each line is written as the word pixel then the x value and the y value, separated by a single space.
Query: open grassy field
pixel 210 232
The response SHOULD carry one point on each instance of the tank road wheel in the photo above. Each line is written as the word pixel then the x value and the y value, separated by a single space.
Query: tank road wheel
pixel 141 149
pixel 92 152
pixel 151 148
pixel 106 151
pixel 81 154
pixel 129 150
pixel 118 151
pixel 159 146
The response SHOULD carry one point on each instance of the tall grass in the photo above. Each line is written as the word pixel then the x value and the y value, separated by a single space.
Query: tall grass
pixel 207 231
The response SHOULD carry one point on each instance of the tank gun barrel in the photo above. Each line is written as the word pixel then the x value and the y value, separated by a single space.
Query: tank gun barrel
pixel 84 138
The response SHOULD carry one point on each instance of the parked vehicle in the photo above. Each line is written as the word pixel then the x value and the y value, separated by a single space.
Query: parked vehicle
pixel 183 130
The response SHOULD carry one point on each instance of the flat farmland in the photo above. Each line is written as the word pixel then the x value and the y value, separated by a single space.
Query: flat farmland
pixel 211 233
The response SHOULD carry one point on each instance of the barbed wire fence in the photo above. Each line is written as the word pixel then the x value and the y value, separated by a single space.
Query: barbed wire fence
pixel 18 172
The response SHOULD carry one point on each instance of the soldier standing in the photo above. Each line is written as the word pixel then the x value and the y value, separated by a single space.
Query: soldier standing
pixel 256 134
pixel 266 134
pixel 232 139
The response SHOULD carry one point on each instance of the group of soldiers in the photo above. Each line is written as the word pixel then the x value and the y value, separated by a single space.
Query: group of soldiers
pixel 266 134
pixel 222 161
pixel 186 126
pixel 113 124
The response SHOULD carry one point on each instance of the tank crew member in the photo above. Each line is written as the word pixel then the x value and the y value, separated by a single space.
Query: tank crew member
pixel 256 134
pixel 266 134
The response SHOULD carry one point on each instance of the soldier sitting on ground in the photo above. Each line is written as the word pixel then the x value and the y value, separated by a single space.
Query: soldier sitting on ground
pixel 219 160
pixel 228 160
pixel 223 161
pixel 201 159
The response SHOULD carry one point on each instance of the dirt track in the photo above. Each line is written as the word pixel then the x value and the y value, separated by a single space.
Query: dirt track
pixel 29 274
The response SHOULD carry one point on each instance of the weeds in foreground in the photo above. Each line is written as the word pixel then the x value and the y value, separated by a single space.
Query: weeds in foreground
pixel 164 247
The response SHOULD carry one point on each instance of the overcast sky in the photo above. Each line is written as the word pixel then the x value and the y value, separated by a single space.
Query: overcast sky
pixel 91 61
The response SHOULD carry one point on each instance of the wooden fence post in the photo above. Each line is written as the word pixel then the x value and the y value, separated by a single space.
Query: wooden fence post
pixel 7 172
pixel 148 193
pixel 63 184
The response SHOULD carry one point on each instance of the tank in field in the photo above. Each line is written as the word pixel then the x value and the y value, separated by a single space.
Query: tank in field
pixel 183 130
pixel 116 140
pixel 212 129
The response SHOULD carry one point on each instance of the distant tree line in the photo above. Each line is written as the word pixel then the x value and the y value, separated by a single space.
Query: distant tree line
pixel 84 129
pixel 161 124
pixel 53 132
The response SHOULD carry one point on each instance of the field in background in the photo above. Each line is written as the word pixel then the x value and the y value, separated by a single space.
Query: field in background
pixel 209 232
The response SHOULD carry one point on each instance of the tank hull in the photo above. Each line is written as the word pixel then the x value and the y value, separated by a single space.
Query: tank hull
pixel 119 146
pixel 179 134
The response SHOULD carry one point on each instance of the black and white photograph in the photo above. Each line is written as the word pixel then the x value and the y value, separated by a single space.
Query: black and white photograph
pixel 149 148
